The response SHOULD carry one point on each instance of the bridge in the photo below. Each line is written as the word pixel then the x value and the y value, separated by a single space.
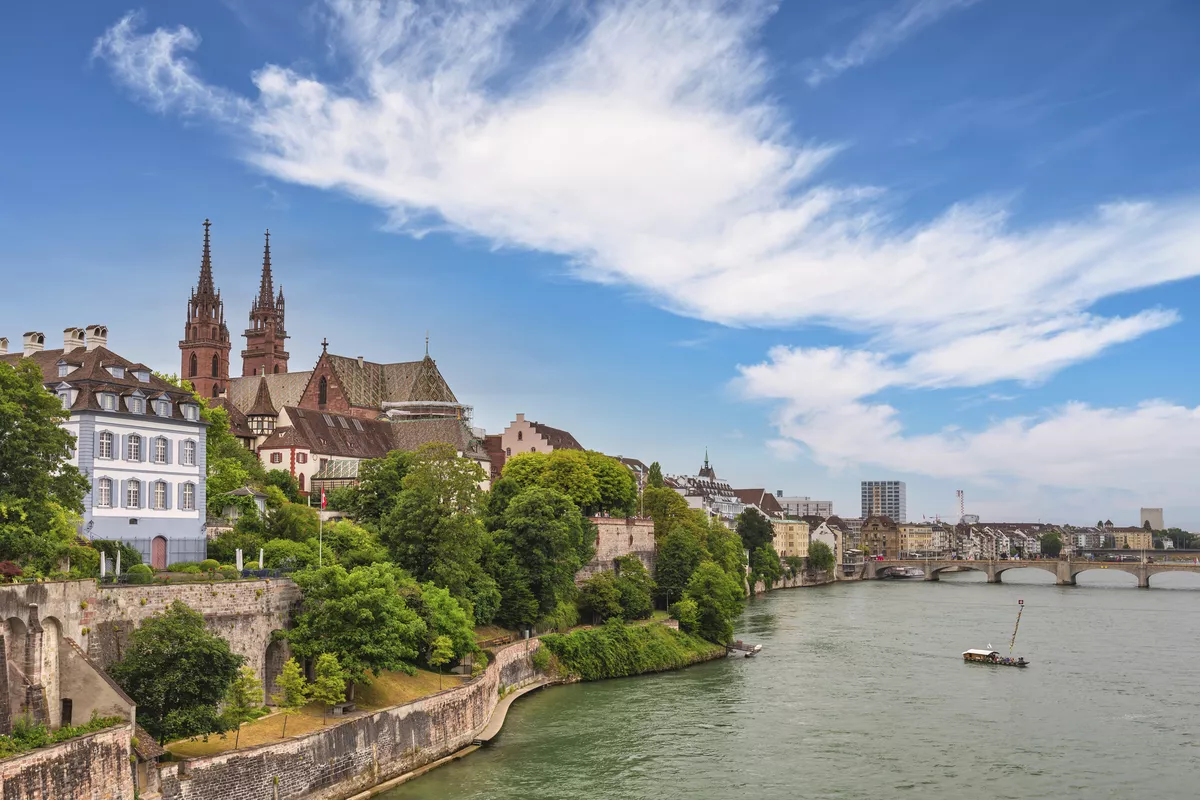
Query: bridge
pixel 1064 571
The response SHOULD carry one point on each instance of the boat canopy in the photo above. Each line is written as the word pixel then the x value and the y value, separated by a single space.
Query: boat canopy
pixel 980 653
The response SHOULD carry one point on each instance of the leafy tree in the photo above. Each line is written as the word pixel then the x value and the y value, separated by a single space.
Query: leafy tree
pixel 177 672
pixel 517 606
pixel 502 493
pixel 287 555
pixel 666 507
pixel 293 692
pixel 40 493
pixel 687 613
pixel 484 597
pixel 635 587
pixel 655 478
pixel 525 469
pixel 243 698
pixel 294 522
pixel 550 541
pixel 1146 525
pixel 446 618
pixel 569 472
pixel 224 548
pixel 380 481
pixel 441 654
pixel 618 489
pixel 765 565
pixel 359 616
pixel 718 602
pixel 679 554
pixel 286 483
pixel 329 688
pixel 599 597
pixel 1052 544
pixel 725 548
pixel 433 530
pixel 754 529
pixel 820 556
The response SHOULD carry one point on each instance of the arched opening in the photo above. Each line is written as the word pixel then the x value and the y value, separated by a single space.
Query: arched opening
pixel 192 366
pixel 1105 577
pixel 273 661
pixel 1175 580
pixel 216 367
pixel 300 481
pixel 966 575
pixel 158 552
pixel 322 391
pixel 14 654
pixel 1028 575
pixel 276 370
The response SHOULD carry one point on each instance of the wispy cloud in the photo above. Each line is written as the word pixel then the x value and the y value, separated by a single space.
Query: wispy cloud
pixel 883 33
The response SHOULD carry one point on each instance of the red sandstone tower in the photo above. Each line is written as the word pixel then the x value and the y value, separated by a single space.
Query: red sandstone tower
pixel 264 353
pixel 205 346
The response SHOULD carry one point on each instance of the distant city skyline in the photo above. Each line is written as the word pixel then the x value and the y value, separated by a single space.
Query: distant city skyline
pixel 924 255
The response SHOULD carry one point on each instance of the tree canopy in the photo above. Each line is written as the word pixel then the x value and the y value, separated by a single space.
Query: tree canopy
pixel 595 483
pixel 718 602
pixel 1051 544
pixel 820 556
pixel 754 529
pixel 654 479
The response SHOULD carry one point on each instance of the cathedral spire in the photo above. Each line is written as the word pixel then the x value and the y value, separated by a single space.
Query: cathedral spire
pixel 205 287
pixel 266 289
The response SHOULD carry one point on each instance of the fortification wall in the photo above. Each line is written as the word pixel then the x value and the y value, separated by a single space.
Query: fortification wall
pixel 92 767
pixel 617 537
pixel 347 758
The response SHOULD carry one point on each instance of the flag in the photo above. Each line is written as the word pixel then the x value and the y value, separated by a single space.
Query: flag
pixel 322 498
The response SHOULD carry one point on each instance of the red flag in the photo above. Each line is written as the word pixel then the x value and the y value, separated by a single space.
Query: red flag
pixel 322 498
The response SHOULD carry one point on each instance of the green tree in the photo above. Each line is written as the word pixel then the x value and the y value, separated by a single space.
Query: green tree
pixel 635 587
pixel 501 494
pixel 618 489
pixel 446 618
pixel 820 556
pixel 294 522
pixel 243 698
pixel 288 556
pixel 359 616
pixel 517 607
pixel 569 472
pixel 293 692
pixel 666 507
pixel 440 654
pixel 679 554
pixel 1052 544
pixel 766 566
pixel 687 613
pixel 41 494
pixel 224 548
pixel 599 598
pixel 286 483
pixel 329 688
pixel 380 481
pixel 725 548
pixel 655 478
pixel 550 541
pixel 754 529
pixel 177 672
pixel 433 530
pixel 525 469
pixel 718 602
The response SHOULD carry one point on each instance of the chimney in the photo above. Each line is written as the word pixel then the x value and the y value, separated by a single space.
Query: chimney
pixel 72 339
pixel 520 417
pixel 97 336
pixel 3 345
pixel 360 362
pixel 34 343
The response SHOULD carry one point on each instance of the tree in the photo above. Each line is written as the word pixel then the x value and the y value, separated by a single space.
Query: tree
pixel 1146 525
pixel 380 481
pixel 441 653
pixel 243 698
pixel 286 483
pixel 569 472
pixel 433 529
pixel 666 507
pixel 329 688
pixel 446 618
pixel 502 493
pixel 41 494
pixel 177 672
pixel 288 555
pixel 360 617
pixel 1052 544
pixel 718 602
pixel 654 479
pixel 679 554
pixel 517 607
pixel 599 597
pixel 820 556
pixel 525 469
pixel 294 522
pixel 618 489
pixel 725 548
pixel 687 613
pixel 754 529
pixel 293 692
pixel 765 564
pixel 635 587
pixel 550 541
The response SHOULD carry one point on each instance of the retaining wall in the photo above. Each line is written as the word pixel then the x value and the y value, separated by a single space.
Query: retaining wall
pixel 351 756
pixel 617 537
pixel 805 578
pixel 92 767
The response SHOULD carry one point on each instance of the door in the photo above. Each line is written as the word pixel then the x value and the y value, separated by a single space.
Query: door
pixel 158 553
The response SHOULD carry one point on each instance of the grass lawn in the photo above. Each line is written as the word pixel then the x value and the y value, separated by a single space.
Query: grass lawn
pixel 389 689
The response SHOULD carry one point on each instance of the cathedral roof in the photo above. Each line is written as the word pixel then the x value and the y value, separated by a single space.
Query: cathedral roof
pixel 369 385
pixel 332 434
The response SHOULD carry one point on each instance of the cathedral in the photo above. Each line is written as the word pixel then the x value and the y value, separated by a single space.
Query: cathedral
pixel 320 423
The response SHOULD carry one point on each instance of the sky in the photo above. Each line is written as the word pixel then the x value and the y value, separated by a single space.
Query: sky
pixel 950 242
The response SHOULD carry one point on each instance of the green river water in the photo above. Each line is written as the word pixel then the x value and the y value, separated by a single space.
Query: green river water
pixel 861 692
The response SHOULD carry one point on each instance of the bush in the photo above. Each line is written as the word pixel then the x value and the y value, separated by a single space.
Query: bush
pixel 139 574
pixel 209 565
pixel 230 572
pixel 599 598
pixel 129 555
pixel 820 556
pixel 687 613
pixel 189 567
pixel 617 650
pixel 252 565
pixel 564 617
pixel 9 571
pixel 540 659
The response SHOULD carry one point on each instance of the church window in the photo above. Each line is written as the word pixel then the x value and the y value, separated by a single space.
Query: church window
pixel 276 370
pixel 520 435
pixel 192 368
pixel 216 367
pixel 322 391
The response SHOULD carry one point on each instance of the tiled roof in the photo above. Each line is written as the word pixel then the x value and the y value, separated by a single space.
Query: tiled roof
pixel 262 406
pixel 370 385
pixel 285 389
pixel 761 498
pixel 331 434
pixel 147 748
pixel 88 373
pixel 558 438
pixel 411 434
pixel 238 424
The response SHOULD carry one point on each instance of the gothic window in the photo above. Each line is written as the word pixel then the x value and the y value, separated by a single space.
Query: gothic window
pixel 106 445
pixel 216 367
pixel 520 435
pixel 322 391
pixel 508 452
pixel 104 493
pixel 192 368
pixel 276 370
pixel 300 481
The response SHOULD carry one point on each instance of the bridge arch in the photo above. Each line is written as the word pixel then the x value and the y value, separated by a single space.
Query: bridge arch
pixel 1002 567
pixel 1188 579
pixel 959 566
pixel 1078 568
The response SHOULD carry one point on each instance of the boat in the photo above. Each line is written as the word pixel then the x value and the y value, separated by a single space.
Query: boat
pixel 744 649
pixel 904 572
pixel 992 657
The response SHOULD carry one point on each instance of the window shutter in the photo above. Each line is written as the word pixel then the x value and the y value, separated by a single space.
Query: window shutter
pixel 167 448
pixel 143 490
pixel 180 447
pixel 179 496
pixel 167 495
pixel 143 451
pixel 123 441
pixel 123 501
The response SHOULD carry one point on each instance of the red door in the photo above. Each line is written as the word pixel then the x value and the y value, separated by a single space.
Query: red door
pixel 158 553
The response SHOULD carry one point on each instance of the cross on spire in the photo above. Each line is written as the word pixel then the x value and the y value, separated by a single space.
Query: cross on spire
pixel 324 345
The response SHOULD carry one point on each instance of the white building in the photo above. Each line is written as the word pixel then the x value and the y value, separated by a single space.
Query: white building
pixel 890 496
pixel 804 506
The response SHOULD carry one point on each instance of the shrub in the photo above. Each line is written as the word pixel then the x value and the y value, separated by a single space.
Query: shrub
pixel 616 650
pixel 230 573
pixel 540 659
pixel 139 574
pixel 190 567
pixel 209 565
pixel 9 571
pixel 129 555
pixel 252 565
pixel 687 613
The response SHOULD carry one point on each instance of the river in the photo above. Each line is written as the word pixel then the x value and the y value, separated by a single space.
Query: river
pixel 861 692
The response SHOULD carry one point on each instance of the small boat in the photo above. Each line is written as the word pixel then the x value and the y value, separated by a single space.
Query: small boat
pixel 897 573
pixel 992 657
pixel 740 648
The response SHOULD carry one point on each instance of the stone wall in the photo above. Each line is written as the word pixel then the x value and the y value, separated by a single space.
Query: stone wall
pixel 92 767
pixel 347 758
pixel 618 537
pixel 804 578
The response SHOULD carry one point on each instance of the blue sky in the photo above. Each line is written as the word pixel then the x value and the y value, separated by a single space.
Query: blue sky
pixel 948 241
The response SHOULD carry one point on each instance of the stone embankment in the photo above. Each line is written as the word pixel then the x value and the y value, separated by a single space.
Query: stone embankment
pixel 801 579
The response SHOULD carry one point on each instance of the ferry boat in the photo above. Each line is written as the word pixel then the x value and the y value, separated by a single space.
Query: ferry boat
pixel 993 657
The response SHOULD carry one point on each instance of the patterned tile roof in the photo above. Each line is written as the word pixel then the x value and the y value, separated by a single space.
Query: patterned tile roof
pixel 285 389
pixel 370 385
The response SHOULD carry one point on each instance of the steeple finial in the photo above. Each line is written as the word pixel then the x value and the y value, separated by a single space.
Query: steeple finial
pixel 706 455
pixel 266 289
pixel 324 345
pixel 205 287
pixel 427 343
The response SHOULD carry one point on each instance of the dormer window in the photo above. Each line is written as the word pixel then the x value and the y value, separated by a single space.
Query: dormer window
pixel 191 412
pixel 63 369
pixel 142 375
pixel 136 405
pixel 108 402
pixel 163 408
pixel 116 371
pixel 65 397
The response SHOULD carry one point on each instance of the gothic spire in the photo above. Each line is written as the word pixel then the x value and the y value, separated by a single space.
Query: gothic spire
pixel 266 289
pixel 205 287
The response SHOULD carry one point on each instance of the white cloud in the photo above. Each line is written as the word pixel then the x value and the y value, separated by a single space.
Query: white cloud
pixel 882 34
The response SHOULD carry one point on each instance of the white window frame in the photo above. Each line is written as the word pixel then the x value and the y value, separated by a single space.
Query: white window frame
pixel 276 457
pixel 160 444
pixel 108 402
pixel 189 453
pixel 133 493
pixel 160 487
pixel 111 442
pixel 163 408
pixel 188 503
pixel 136 405
pixel 133 447
pixel 63 369
pixel 65 397
pixel 104 488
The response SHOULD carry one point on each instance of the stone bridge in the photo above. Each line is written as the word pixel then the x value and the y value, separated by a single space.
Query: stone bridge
pixel 45 628
pixel 1064 571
